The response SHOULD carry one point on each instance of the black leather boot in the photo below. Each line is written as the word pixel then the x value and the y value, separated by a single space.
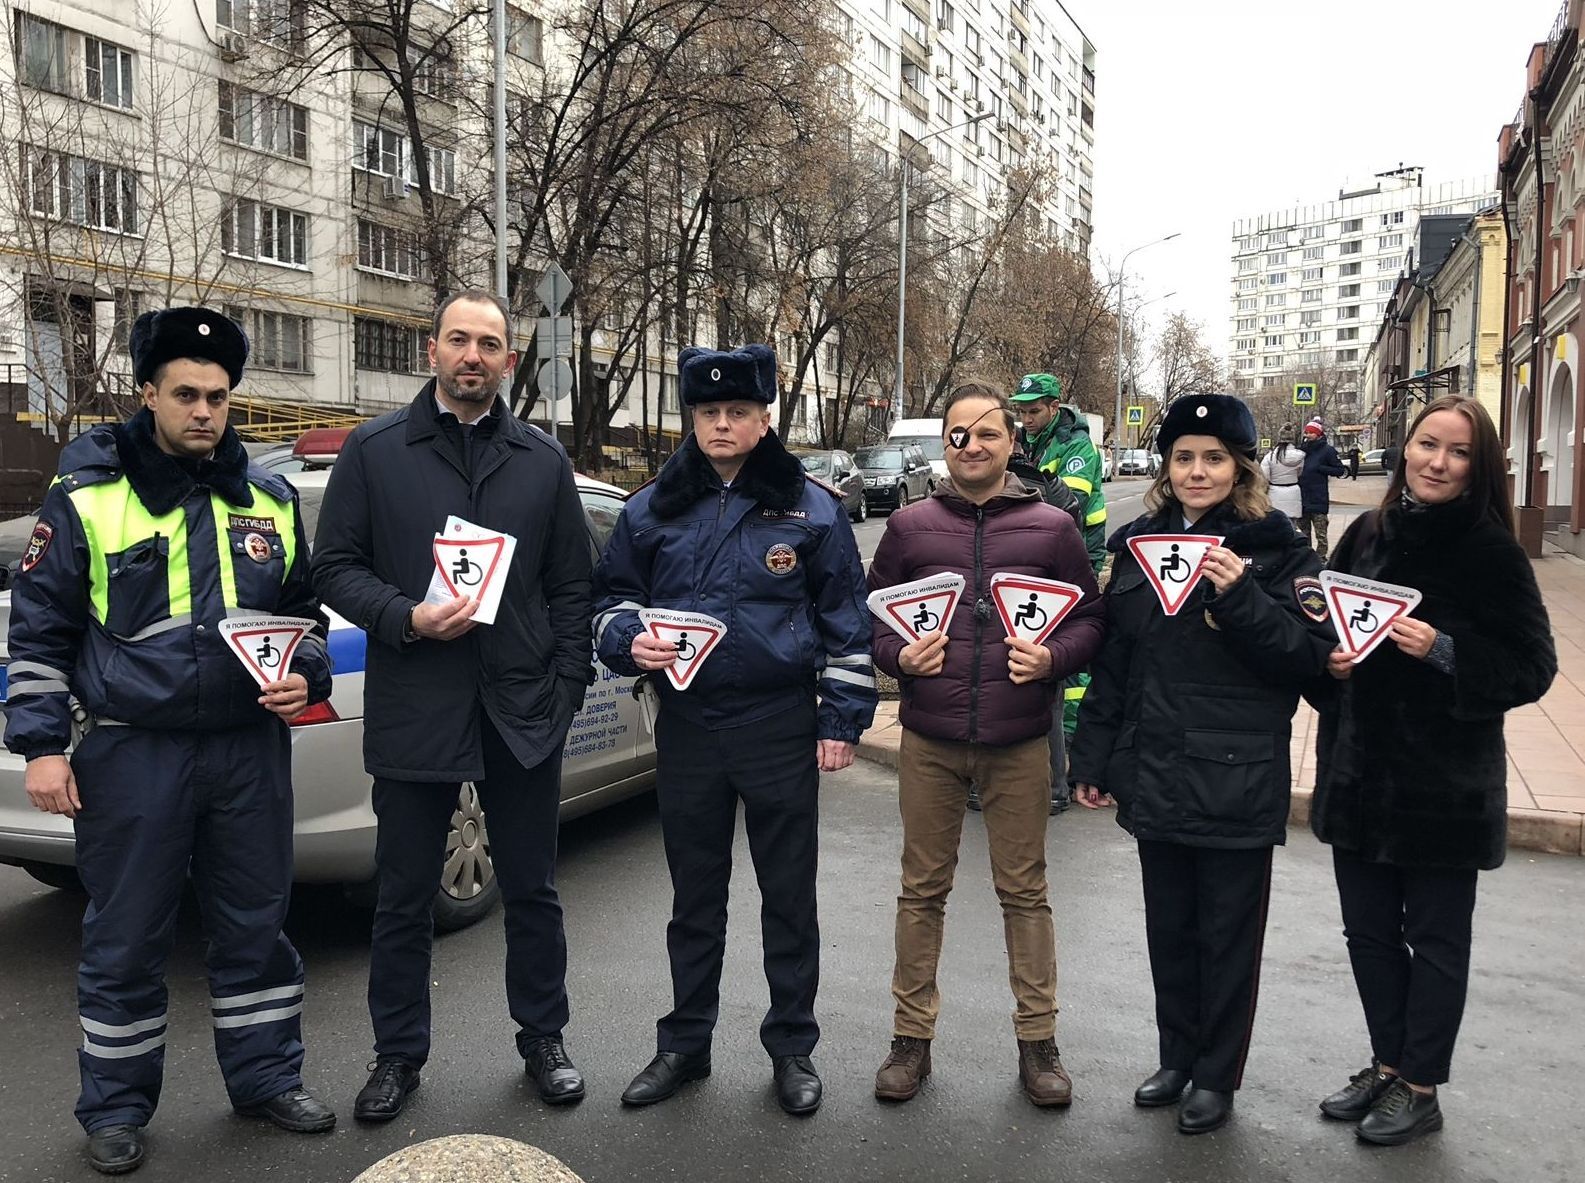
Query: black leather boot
pixel 1164 1088
pixel 1204 1110
pixel 116 1149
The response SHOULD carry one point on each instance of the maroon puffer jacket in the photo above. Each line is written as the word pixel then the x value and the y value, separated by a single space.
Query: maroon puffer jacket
pixel 973 698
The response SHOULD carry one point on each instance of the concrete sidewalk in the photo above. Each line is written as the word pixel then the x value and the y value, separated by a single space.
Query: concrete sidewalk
pixel 1546 741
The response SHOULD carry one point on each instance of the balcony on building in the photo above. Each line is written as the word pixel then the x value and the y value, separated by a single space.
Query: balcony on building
pixel 1018 11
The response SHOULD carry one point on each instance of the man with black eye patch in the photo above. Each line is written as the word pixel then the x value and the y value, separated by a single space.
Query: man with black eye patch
pixel 976 709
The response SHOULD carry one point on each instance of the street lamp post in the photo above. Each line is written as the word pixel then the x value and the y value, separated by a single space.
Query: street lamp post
pixel 1117 415
pixel 1144 305
pixel 902 252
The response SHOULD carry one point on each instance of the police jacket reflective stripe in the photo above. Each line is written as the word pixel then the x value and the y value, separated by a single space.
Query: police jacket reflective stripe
pixel 136 559
pixel 773 558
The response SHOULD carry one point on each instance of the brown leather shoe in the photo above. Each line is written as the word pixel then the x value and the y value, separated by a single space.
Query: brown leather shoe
pixel 1040 1071
pixel 905 1068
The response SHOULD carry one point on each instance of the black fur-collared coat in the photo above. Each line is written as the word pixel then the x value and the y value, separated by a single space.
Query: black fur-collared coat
pixel 1411 766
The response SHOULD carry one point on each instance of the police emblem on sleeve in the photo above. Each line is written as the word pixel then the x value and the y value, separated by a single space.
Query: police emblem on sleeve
pixel 258 548
pixel 37 545
pixel 1312 600
pixel 781 559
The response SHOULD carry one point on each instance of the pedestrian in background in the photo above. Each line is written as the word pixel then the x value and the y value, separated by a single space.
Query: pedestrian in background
pixel 734 528
pixel 446 702
pixel 1283 466
pixel 1353 462
pixel 977 708
pixel 1411 776
pixel 1321 462
pixel 1187 728
pixel 156 531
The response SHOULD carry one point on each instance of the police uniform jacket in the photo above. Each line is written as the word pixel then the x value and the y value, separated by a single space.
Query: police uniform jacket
pixel 1187 719
pixel 136 559
pixel 394 484
pixel 773 558
pixel 1410 763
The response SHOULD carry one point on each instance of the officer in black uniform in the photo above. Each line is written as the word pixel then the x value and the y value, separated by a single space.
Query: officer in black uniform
pixel 733 528
pixel 155 532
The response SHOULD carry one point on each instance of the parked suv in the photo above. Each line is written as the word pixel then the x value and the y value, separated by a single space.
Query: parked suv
pixel 895 474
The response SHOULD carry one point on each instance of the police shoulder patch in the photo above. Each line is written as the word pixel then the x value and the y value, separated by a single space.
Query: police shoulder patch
pixel 43 534
pixel 1312 600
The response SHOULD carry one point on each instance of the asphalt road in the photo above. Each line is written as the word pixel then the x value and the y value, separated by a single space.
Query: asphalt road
pixel 1513 1111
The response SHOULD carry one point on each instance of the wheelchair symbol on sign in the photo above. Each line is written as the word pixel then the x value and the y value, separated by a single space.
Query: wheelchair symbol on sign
pixel 686 649
pixel 1175 567
pixel 1028 614
pixel 465 571
pixel 926 621
pixel 269 656
pixel 1364 620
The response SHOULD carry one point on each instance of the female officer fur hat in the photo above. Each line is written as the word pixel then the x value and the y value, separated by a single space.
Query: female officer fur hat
pixel 717 376
pixel 199 334
pixel 1221 415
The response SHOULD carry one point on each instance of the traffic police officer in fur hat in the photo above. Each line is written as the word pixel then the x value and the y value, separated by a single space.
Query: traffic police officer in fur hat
pixel 154 532
pixel 734 529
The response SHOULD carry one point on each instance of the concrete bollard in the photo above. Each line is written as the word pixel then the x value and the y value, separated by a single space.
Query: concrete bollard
pixel 469 1158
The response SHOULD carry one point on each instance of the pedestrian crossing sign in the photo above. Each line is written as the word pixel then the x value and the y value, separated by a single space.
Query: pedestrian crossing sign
pixel 1136 416
pixel 1304 394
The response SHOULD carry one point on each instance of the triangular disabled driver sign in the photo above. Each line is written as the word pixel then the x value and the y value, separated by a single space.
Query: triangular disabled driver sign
pixel 1172 564
pixel 1362 610
pixel 694 634
pixel 1031 607
pixel 913 609
pixel 265 644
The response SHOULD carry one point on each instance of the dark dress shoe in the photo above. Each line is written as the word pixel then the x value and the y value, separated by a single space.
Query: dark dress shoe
pixel 798 1087
pixel 297 1110
pixel 1204 1110
pixel 664 1075
pixel 1402 1115
pixel 385 1095
pixel 116 1149
pixel 1355 1099
pixel 554 1074
pixel 1164 1088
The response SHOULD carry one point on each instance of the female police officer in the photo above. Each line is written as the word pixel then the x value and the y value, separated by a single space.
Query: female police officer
pixel 1186 726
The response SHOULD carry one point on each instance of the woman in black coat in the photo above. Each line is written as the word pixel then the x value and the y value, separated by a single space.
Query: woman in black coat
pixel 1411 778
pixel 1186 725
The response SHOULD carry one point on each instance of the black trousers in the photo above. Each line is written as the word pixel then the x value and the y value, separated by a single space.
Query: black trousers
pixel 521 807
pixel 701 775
pixel 1205 924
pixel 1408 932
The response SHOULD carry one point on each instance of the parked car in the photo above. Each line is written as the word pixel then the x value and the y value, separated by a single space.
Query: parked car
pixel 1135 462
pixel 1106 464
pixel 895 474
pixel 837 469
pixel 1371 461
pixel 926 433
pixel 608 757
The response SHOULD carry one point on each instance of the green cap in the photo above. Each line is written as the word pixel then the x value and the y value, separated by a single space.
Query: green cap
pixel 1035 387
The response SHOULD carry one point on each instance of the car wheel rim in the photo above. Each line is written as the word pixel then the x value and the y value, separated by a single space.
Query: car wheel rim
pixel 902 495
pixel 468 870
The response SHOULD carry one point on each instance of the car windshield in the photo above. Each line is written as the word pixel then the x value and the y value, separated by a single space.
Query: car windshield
pixel 879 457
pixel 931 444
pixel 816 465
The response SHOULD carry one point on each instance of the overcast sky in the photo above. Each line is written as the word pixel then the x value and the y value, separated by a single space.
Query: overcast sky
pixel 1209 112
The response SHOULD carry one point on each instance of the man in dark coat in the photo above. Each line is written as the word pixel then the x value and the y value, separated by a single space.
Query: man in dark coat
pixel 1321 462
pixel 977 708
pixel 732 527
pixel 447 702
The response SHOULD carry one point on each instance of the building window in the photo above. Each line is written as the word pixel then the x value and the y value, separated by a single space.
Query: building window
pixel 107 73
pixel 1349 291
pixel 41 54
pixel 1350 334
pixel 264 122
pixel 1247 304
pixel 386 153
pixel 1350 248
pixel 128 307
pixel 85 192
pixel 1277 259
pixel 252 230
pixel 1245 324
pixel 1273 341
pixel 1245 266
pixel 525 36
pixel 388 250
pixel 1276 238
pixel 946 18
pixel 1310 275
pixel 1348 312
pixel 1278 320
pixel 1313 337
pixel 1276 299
pixel 1277 278
pixel 1272 363
pixel 1244 344
pixel 1248 285
pixel 1353 225
pixel 1312 296
pixel 1348 269
pixel 280 22
pixel 277 340
pixel 1388 264
pixel 1314 252
pixel 385 345
pixel 1348 355
pixel 434 72
pixel 1310 317
pixel 1385 285
pixel 1388 241
pixel 1245 363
